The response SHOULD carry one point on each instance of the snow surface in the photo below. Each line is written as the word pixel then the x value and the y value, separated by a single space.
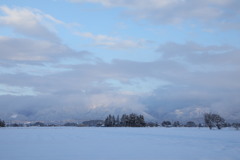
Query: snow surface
pixel 73 143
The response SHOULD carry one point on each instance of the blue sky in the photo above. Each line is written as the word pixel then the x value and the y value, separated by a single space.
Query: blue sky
pixel 66 59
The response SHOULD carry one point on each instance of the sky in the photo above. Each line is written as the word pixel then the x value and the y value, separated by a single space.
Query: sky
pixel 85 59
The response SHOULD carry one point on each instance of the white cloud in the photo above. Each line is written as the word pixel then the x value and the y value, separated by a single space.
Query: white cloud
pixel 131 3
pixel 17 91
pixel 33 50
pixel 29 22
pixel 112 42
pixel 202 58
pixel 217 13
pixel 137 86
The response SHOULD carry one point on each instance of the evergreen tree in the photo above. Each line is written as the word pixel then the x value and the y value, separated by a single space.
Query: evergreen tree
pixel 110 121
pixel 142 121
pixel 113 121
pixel 107 121
pixel 132 120
pixel 2 123
pixel 124 120
pixel 117 121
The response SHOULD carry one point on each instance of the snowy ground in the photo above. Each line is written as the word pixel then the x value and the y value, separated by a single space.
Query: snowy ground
pixel 68 143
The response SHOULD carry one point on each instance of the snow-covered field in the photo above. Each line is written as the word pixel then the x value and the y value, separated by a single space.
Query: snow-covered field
pixel 72 143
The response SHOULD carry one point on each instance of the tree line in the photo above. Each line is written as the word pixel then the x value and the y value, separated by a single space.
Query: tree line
pixel 211 120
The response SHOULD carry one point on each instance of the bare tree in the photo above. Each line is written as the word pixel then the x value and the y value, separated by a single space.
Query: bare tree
pixel 214 120
pixel 236 125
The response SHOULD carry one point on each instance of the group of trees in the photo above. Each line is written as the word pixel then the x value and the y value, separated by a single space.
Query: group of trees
pixel 132 120
pixel 2 123
pixel 211 120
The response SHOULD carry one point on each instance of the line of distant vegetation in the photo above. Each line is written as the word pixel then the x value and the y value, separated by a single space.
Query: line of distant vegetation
pixel 211 121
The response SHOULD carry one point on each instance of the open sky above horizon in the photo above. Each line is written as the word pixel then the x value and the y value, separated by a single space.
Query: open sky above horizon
pixel 78 59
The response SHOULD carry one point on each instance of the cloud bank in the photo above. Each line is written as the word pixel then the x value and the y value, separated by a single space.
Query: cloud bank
pixel 193 80
pixel 42 78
